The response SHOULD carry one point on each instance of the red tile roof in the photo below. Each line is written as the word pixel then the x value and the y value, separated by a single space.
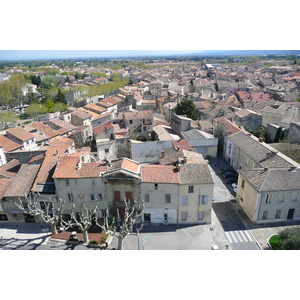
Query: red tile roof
pixel 20 133
pixel 183 144
pixel 7 144
pixel 159 174
pixel 105 126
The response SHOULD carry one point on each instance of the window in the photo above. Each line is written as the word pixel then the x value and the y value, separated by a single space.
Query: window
pixel 265 214
pixel 92 197
pixel 268 198
pixel 93 182
pixel 278 214
pixel 117 196
pixel 146 198
pixel 155 186
pixel 243 183
pixel 185 200
pixel 106 150
pixel 70 198
pixel 295 196
pixel 281 197
pixel 191 189
pixel 128 196
pixel 67 182
pixel 45 205
pixel 200 215
pixel 184 216
pixel 3 217
pixel 130 121
pixel 203 199
pixel 100 197
pixel 167 198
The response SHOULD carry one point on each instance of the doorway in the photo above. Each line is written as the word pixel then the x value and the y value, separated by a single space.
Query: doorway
pixel 290 214
pixel 147 218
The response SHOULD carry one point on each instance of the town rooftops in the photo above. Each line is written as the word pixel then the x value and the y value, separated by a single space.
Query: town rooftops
pixel 159 174
pixel 269 180
pixel 8 144
pixel 125 163
pixel 105 126
pixel 165 133
pixel 19 133
pixel 72 167
pixel 144 114
pixel 52 156
pixel 23 181
pixel 62 124
pixel 263 154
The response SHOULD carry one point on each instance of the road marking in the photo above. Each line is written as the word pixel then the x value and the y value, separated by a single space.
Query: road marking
pixel 248 236
pixel 228 237
pixel 238 233
pixel 238 236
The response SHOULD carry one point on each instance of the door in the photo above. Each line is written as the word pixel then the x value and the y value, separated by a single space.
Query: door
pixel 290 215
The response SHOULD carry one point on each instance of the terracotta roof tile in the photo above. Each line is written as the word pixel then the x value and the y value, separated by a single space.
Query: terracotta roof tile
pixel 8 144
pixel 159 174
pixel 20 133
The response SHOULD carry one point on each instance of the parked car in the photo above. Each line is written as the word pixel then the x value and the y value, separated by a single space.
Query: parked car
pixel 231 180
pixel 225 170
pixel 231 175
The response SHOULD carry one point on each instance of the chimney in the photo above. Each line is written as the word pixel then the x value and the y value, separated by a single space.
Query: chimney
pixel 268 155
pixel 260 139
pixel 265 169
pixel 292 168
pixel 162 154
pixel 184 159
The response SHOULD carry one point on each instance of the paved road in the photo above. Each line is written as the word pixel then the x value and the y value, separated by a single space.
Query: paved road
pixel 235 231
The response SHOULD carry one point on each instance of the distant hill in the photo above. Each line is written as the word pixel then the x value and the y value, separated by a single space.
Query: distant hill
pixel 246 52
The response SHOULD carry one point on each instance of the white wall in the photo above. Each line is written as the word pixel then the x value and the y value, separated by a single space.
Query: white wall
pixel 149 151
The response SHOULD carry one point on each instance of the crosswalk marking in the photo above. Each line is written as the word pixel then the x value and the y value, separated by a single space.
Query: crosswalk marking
pixel 238 236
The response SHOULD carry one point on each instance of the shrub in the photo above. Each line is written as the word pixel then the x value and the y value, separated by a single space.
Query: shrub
pixel 93 242
pixel 275 242
pixel 73 239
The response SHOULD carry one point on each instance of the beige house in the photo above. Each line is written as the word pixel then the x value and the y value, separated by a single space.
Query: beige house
pixel 77 181
pixel 270 195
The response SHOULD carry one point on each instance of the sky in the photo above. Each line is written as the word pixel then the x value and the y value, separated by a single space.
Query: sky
pixel 56 54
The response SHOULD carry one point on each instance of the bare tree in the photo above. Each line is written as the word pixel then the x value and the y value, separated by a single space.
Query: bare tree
pixel 83 219
pixel 132 211
pixel 49 213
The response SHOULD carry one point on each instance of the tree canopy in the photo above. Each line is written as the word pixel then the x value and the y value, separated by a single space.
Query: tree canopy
pixel 188 108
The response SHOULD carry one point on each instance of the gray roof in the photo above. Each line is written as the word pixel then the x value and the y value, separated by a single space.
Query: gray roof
pixel 258 150
pixel 194 134
pixel 272 179
pixel 22 183
pixel 195 174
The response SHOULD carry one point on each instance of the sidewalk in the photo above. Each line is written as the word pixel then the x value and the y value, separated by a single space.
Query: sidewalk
pixel 261 232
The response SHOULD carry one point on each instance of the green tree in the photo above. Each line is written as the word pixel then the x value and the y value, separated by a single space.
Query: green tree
pixel 49 105
pixel 48 82
pixel 58 106
pixel 35 109
pixel 7 117
pixel 188 108
pixel 60 97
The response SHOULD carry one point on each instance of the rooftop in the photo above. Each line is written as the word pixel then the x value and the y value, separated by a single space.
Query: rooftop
pixel 273 179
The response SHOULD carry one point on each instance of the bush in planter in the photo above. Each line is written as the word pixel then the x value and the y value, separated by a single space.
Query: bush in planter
pixel 73 239
pixel 275 242
pixel 93 242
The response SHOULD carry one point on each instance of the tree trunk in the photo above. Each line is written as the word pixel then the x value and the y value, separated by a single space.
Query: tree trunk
pixel 120 242
pixel 53 228
pixel 85 236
